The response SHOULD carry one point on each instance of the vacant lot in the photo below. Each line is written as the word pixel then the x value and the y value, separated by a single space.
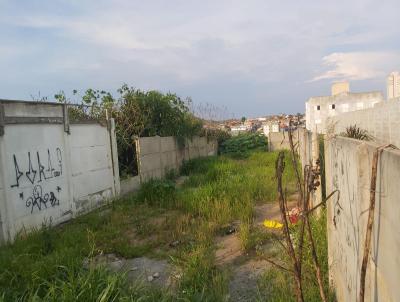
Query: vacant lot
pixel 194 237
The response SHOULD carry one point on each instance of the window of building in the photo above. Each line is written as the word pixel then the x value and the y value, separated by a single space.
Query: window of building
pixel 332 106
pixel 318 107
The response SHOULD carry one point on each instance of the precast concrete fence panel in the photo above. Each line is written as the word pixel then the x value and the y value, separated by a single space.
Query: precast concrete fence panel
pixel 158 155
pixel 50 169
pixel 348 168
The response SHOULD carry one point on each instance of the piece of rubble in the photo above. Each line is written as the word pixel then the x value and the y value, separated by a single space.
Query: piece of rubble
pixel 230 230
pixel 175 243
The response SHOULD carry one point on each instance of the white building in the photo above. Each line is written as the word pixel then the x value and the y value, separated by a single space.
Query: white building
pixel 236 130
pixel 393 85
pixel 318 109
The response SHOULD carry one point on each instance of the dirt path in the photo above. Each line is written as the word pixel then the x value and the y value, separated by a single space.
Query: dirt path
pixel 246 269
pixel 269 211
pixel 140 269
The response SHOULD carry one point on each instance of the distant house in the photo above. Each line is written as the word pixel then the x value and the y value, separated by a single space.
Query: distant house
pixel 237 129
pixel 318 109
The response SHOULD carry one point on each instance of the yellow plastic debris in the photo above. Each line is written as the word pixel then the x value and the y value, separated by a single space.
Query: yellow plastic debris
pixel 272 224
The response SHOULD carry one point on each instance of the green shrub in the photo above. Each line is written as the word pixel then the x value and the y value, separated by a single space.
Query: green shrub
pixel 357 133
pixel 239 146
pixel 198 165
pixel 220 135
pixel 137 113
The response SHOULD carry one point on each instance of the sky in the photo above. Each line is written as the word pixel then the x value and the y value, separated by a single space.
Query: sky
pixel 247 58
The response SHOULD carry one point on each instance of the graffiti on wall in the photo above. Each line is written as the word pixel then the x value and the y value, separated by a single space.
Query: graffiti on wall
pixel 33 172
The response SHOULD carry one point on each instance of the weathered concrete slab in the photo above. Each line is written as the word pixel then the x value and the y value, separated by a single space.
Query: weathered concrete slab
pixel 150 145
pixel 168 144
pixel 158 155
pixel 45 171
pixel 348 169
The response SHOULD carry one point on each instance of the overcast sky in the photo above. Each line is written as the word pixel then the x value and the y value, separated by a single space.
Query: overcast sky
pixel 253 57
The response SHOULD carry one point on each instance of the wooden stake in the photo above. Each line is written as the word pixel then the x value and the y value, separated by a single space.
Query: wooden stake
pixel 370 223
pixel 280 166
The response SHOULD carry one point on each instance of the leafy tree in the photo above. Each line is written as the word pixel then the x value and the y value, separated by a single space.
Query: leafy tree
pixel 137 113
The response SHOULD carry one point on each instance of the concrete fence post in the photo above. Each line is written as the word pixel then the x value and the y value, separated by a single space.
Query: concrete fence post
pixel 138 158
pixel 66 118
pixel 114 157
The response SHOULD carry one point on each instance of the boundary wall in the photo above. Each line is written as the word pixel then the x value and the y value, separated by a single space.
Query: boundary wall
pixel 348 166
pixel 158 155
pixel 382 121
pixel 280 140
pixel 52 170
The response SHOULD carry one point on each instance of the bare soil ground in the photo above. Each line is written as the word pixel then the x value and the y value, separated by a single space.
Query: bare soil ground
pixel 246 269
pixel 142 269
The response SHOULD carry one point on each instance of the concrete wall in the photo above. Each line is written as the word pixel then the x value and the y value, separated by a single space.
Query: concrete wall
pixel 305 147
pixel 50 171
pixel 91 166
pixel 280 140
pixel 158 155
pixel 382 121
pixel 319 109
pixel 348 169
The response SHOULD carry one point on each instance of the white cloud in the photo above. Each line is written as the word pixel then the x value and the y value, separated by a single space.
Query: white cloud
pixel 358 65
pixel 260 48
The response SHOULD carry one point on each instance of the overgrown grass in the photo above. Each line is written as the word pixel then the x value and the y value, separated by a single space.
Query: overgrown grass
pixel 47 264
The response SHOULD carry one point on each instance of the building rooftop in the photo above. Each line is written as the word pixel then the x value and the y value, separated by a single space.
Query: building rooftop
pixel 345 96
